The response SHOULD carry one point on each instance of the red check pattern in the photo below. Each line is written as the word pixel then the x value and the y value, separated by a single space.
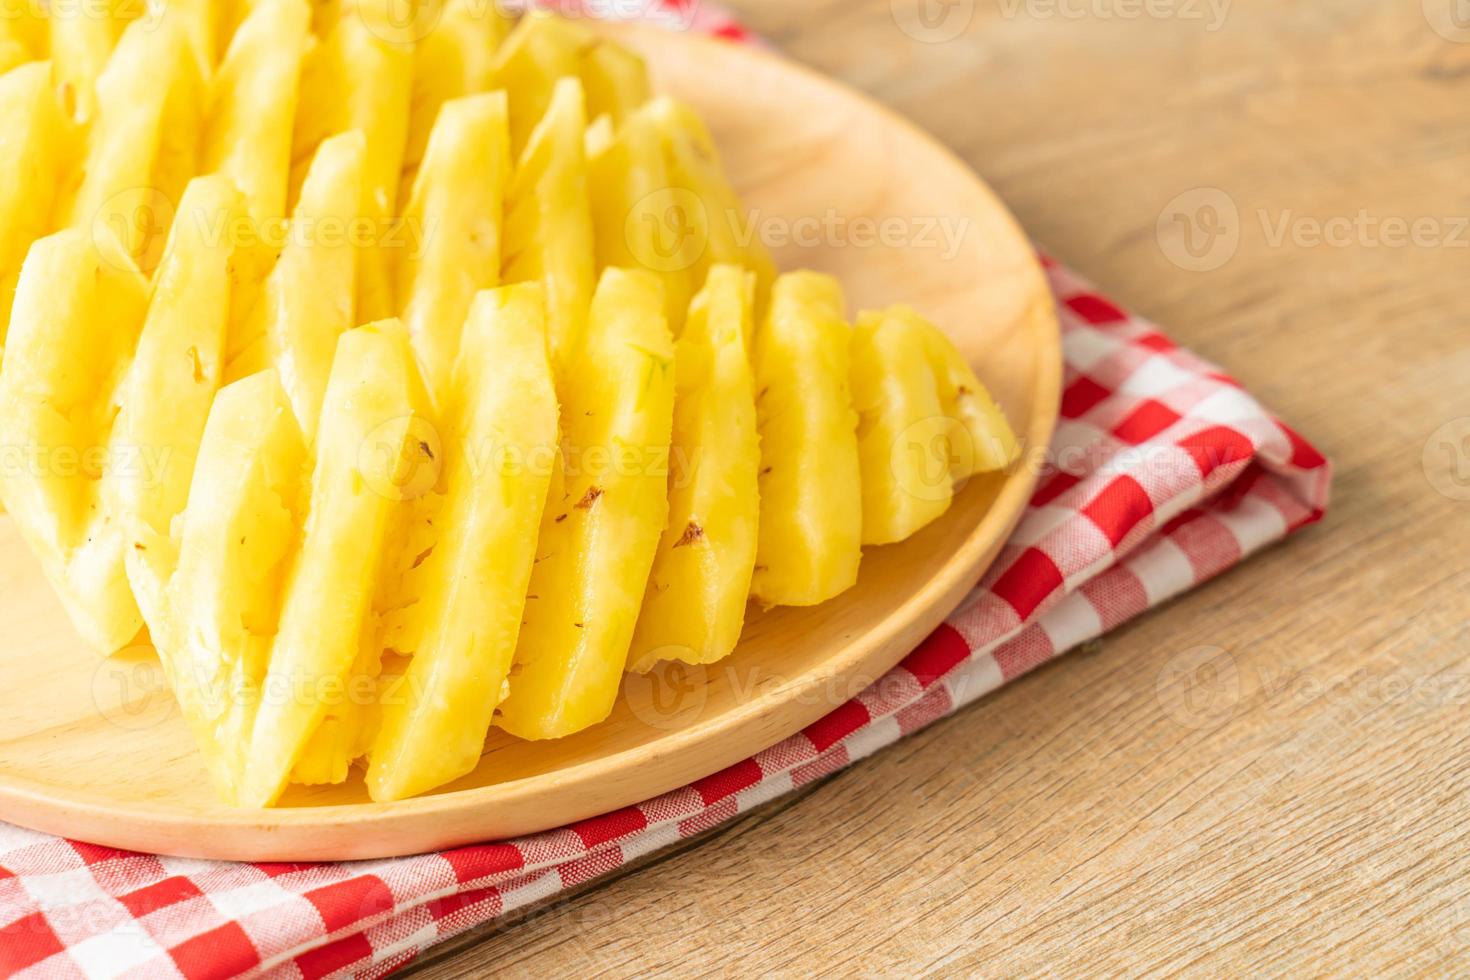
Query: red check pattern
pixel 1163 473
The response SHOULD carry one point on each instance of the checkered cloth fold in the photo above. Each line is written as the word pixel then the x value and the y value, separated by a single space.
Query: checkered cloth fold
pixel 1163 473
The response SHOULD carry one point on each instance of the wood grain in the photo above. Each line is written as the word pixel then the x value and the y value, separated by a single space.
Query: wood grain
pixel 1314 817
pixel 92 753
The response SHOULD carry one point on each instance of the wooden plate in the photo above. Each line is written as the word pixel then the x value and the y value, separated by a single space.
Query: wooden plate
pixel 95 749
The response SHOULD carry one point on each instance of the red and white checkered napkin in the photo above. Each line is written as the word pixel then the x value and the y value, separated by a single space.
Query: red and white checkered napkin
pixel 1163 473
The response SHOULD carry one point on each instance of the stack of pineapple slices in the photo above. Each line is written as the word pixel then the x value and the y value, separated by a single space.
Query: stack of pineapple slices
pixel 573 437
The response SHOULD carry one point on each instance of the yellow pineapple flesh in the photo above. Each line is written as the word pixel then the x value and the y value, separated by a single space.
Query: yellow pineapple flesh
pixel 605 512
pixel 926 423
pixel 175 373
pixel 78 308
pixel 694 606
pixel 141 145
pixel 707 206
pixel 355 79
pixel 501 432
pixel 456 202
pixel 811 507
pixel 548 227
pixel 30 158
pixel 310 298
pixel 362 443
pixel 456 58
pixel 637 214
pixel 227 569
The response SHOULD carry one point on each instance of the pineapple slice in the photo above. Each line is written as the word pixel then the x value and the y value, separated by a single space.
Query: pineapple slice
pixel 695 604
pixel 252 110
pixel 253 101
pixel 926 423
pixel 23 28
pixel 309 298
pixel 141 147
pixel 502 422
pixel 175 374
pixel 604 515
pixel 636 214
pixel 235 540
pixel 542 50
pixel 616 80
pixel 457 199
pixel 372 400
pixel 708 207
pixel 548 227
pixel 811 511
pixel 80 40
pixel 456 58
pixel 78 308
pixel 357 80
pixel 30 157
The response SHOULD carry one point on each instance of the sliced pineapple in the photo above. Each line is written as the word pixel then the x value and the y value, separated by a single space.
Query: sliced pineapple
pixel 368 417
pixel 79 305
pixel 604 515
pixel 253 99
pixel 542 50
pixel 694 607
pixel 455 59
pixel 234 546
pixel 141 147
pixel 707 205
pixel 811 507
pixel 174 376
pixel 30 158
pixel 23 29
pixel 81 39
pixel 548 227
pixel 502 430
pixel 616 80
pixel 457 200
pixel 637 217
pixel 355 79
pixel 310 297
pixel 926 423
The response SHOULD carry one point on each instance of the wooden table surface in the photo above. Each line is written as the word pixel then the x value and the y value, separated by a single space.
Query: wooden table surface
pixel 1297 801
